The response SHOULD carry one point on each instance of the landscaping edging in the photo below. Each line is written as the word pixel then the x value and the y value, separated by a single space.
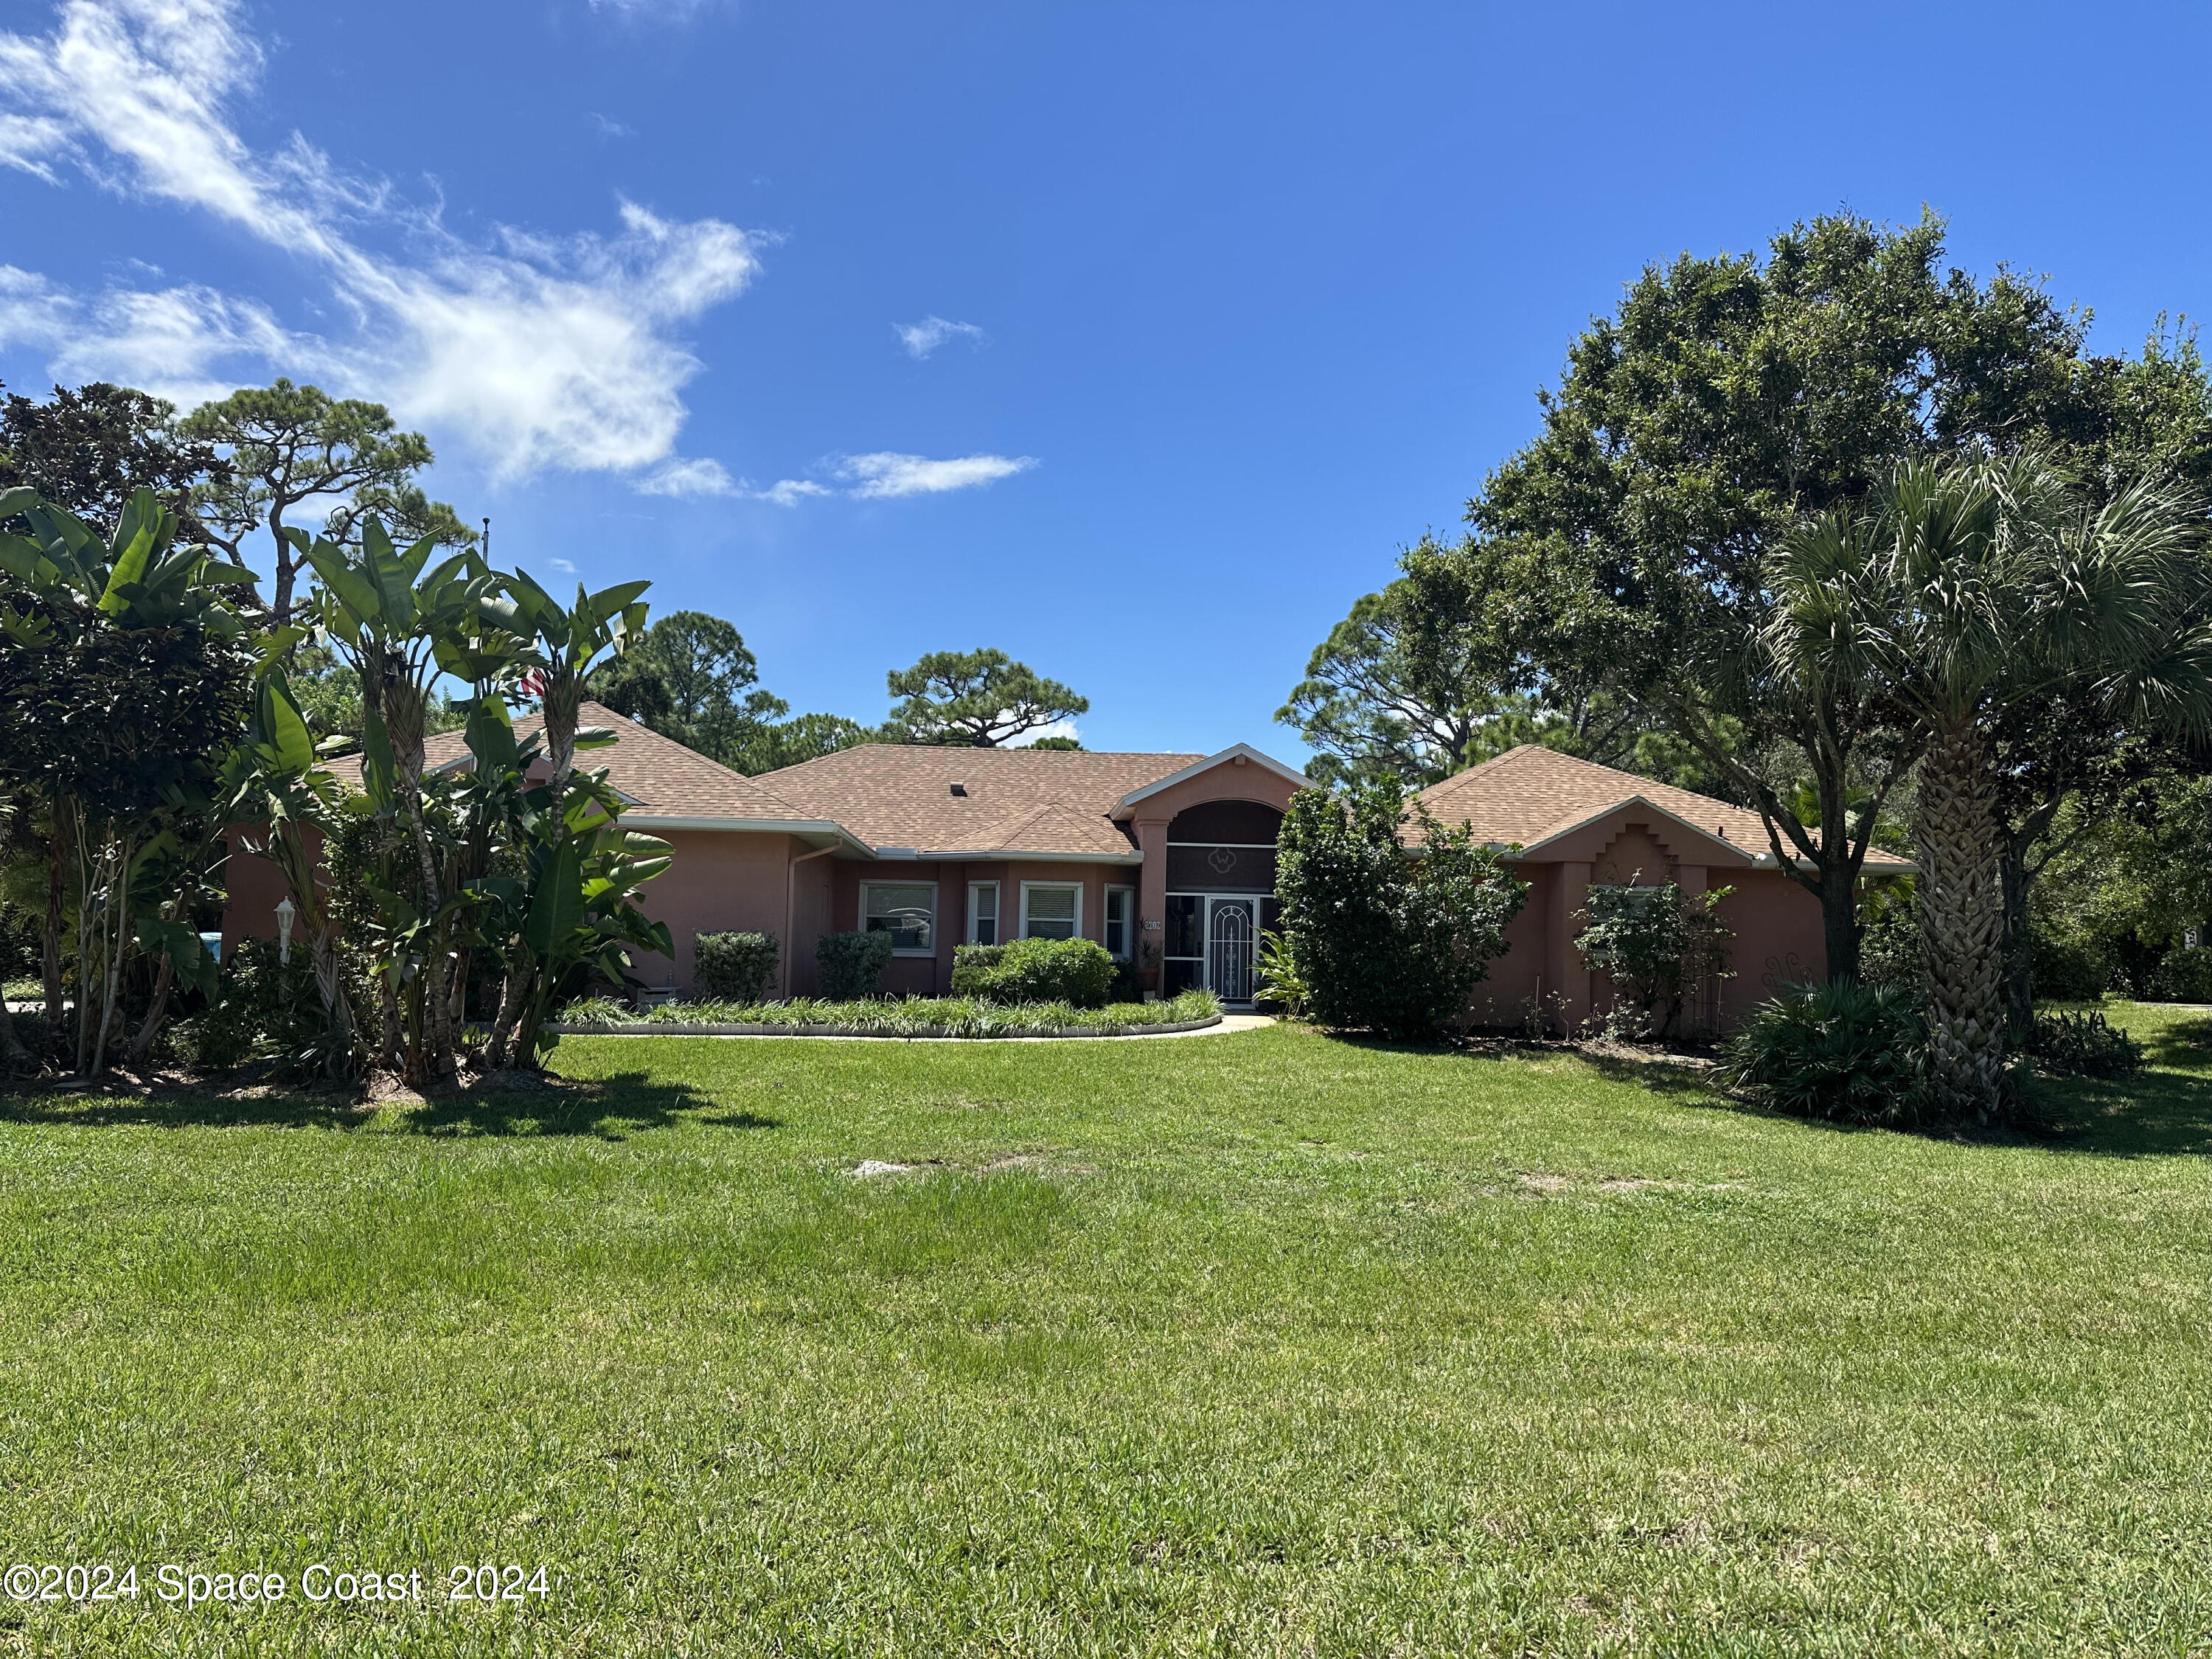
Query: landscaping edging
pixel 919 1033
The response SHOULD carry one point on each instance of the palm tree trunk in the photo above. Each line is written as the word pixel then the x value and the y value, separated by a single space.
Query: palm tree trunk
pixel 2019 953
pixel 1961 905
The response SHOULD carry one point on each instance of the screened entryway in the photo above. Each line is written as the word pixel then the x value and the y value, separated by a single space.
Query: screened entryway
pixel 1213 943
pixel 1221 898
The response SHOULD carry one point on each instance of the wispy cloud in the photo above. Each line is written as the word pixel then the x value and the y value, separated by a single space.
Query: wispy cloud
pixel 788 492
pixel 563 566
pixel 923 337
pixel 607 126
pixel 681 478
pixel 539 351
pixel 884 474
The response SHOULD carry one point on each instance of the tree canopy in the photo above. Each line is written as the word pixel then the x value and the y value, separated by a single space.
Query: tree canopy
pixel 285 445
pixel 980 699
pixel 1612 575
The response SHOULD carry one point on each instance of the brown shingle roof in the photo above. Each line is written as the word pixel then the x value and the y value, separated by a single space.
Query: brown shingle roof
pixel 659 775
pixel 1017 800
pixel 1528 794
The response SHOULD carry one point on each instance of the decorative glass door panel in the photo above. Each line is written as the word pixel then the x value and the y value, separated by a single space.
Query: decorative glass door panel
pixel 1231 946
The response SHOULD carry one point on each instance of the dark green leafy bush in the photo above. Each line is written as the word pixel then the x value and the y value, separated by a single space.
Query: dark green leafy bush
pixel 733 967
pixel 853 964
pixel 1889 936
pixel 2083 1045
pixel 1077 971
pixel 2068 968
pixel 1384 942
pixel 1848 1052
pixel 1655 945
pixel 2185 975
pixel 263 1009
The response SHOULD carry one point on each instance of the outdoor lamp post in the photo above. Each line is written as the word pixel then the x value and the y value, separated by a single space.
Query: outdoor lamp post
pixel 284 915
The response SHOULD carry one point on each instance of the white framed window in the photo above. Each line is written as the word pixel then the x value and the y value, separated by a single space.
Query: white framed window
pixel 983 913
pixel 1121 924
pixel 907 910
pixel 1052 909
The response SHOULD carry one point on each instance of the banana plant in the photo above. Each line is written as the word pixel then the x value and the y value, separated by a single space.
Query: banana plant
pixel 389 614
pixel 578 908
pixel 559 647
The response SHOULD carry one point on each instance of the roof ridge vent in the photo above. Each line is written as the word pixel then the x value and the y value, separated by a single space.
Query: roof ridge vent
pixel 961 790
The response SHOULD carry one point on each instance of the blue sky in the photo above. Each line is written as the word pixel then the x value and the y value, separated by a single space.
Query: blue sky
pixel 1229 300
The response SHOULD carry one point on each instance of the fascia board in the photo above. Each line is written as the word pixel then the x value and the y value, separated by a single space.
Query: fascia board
pixel 823 829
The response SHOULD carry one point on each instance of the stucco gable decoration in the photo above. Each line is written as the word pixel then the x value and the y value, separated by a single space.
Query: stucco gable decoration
pixel 1227 756
pixel 1731 852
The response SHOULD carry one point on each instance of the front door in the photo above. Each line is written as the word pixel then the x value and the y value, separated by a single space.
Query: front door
pixel 1232 937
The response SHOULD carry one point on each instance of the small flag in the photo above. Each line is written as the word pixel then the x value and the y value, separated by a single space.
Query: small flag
pixel 532 684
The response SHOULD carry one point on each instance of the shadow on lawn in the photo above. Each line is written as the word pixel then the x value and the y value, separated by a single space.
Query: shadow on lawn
pixel 610 1108
pixel 2164 1111
pixel 184 1108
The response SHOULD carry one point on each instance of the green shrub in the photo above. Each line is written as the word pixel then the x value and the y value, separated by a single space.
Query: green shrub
pixel 733 967
pixel 1281 986
pixel 2083 1045
pixel 1848 1052
pixel 1889 938
pixel 2185 975
pixel 2065 968
pixel 264 1009
pixel 1385 943
pixel 969 1017
pixel 1655 945
pixel 1075 971
pixel 853 964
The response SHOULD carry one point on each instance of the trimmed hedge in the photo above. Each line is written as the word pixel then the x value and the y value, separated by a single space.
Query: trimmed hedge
pixel 733 967
pixel 963 1017
pixel 853 964
pixel 1077 971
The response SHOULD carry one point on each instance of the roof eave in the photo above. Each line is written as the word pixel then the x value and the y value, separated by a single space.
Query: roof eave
pixel 1006 855
pixel 820 832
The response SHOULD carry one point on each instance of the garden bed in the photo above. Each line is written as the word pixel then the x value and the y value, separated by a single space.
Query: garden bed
pixel 906 1016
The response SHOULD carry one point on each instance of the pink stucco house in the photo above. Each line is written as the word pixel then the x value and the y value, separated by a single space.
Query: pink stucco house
pixel 1166 859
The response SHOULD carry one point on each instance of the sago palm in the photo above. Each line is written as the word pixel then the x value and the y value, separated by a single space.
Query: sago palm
pixel 1961 588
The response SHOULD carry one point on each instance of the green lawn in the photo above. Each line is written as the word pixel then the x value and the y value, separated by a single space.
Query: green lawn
pixel 1259 1343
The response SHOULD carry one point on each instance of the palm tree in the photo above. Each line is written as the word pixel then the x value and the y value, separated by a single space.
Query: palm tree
pixel 1962 588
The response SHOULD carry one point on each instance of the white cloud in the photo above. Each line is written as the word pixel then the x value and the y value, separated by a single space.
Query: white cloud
pixel 607 126
pixel 563 566
pixel 681 478
pixel 883 476
pixel 173 341
pixel 788 492
pixel 540 352
pixel 925 337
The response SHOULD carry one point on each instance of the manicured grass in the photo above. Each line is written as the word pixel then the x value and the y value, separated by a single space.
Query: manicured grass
pixel 1259 1343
